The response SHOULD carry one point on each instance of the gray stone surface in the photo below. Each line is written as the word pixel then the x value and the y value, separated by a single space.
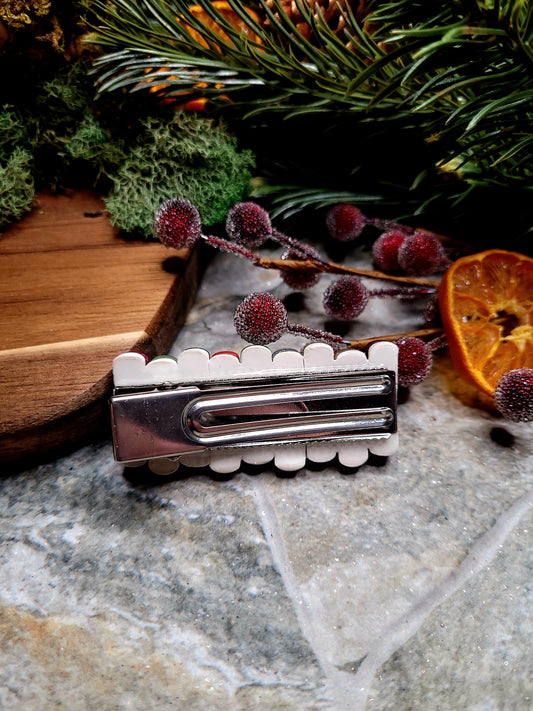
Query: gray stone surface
pixel 399 586
pixel 473 640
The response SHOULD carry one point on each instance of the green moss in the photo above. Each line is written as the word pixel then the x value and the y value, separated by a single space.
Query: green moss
pixel 13 133
pixel 187 156
pixel 66 142
pixel 94 145
pixel 16 186
pixel 16 168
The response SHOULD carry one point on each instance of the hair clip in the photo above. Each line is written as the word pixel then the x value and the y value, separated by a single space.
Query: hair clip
pixel 226 409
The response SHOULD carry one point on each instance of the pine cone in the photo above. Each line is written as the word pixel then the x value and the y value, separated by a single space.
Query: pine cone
pixel 331 11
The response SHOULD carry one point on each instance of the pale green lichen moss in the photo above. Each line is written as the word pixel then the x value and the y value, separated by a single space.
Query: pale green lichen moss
pixel 64 142
pixel 16 166
pixel 16 186
pixel 187 156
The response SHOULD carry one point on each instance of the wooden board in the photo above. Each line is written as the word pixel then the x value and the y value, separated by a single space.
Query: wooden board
pixel 72 297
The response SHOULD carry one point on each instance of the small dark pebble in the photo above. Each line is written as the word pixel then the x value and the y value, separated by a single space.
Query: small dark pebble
pixel 502 436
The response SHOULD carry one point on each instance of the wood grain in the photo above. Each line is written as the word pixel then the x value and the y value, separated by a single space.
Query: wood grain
pixel 72 297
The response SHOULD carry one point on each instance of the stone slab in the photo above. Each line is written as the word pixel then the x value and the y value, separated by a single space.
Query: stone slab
pixel 403 584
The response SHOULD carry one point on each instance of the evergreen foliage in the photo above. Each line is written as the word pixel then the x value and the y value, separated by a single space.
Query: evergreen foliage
pixel 458 74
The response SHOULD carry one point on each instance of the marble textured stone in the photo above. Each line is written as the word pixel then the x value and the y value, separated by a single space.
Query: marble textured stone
pixel 402 585
pixel 479 629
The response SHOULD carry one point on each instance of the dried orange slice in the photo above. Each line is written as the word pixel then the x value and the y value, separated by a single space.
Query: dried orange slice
pixel 486 304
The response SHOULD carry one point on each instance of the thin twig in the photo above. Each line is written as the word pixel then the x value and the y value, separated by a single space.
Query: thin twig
pixel 422 333
pixel 289 265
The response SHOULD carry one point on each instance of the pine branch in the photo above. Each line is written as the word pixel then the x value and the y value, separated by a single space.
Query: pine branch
pixel 284 65
pixel 460 72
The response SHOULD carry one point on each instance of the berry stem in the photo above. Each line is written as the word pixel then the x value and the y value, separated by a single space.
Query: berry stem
pixel 227 246
pixel 422 333
pixel 333 268
pixel 316 334
pixel 299 248
pixel 404 292
pixel 387 225
pixel 438 343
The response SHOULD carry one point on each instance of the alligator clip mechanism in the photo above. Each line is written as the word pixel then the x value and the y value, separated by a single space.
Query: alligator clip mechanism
pixel 226 409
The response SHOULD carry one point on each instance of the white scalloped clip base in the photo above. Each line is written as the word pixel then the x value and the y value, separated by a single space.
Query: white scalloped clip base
pixel 195 365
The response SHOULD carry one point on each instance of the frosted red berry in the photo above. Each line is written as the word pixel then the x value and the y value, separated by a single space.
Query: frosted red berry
pixel 514 395
pixel 260 319
pixel 345 222
pixel 177 223
pixel 420 254
pixel 345 298
pixel 249 224
pixel 385 251
pixel 299 280
pixel 415 359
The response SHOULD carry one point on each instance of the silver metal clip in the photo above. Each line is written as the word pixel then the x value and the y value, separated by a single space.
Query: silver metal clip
pixel 225 409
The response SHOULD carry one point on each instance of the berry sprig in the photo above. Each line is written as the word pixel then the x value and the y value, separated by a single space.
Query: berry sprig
pixel 345 222
pixel 400 248
pixel 261 318
pixel 249 224
pixel 177 224
pixel 346 298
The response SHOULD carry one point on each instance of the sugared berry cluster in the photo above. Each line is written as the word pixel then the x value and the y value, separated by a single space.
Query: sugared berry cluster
pixel 262 318
pixel 399 249
pixel 415 254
